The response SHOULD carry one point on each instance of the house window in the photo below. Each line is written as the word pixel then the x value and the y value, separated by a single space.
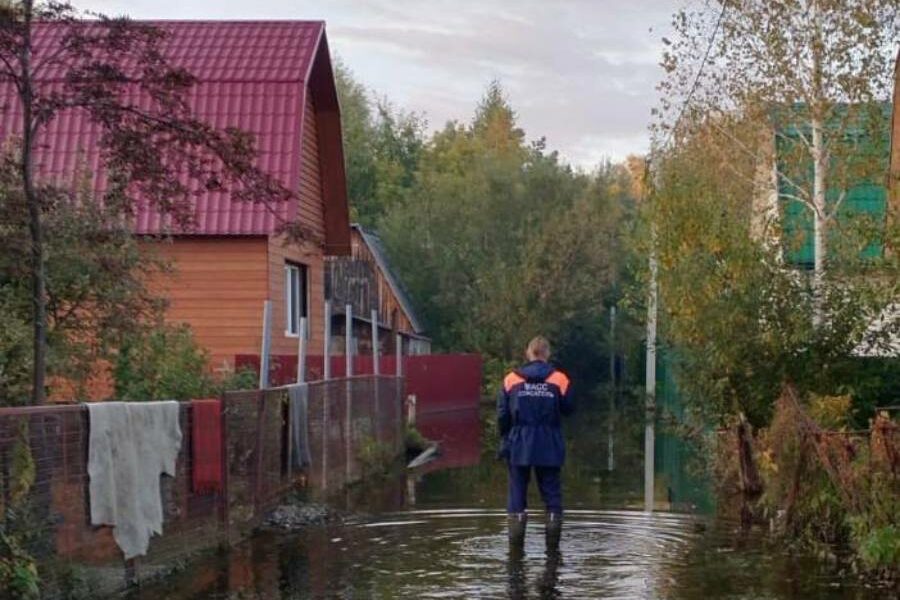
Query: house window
pixel 296 298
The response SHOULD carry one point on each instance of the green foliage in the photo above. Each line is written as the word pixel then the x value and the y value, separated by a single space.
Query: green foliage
pixel 161 363
pixel 830 490
pixel 375 457
pixel 22 469
pixel 18 570
pixel 498 241
pixel 495 238
pixel 742 322
pixel 96 289
pixel 413 439
pixel 165 363
pixel 382 147
pixel 243 379
pixel 879 547
pixel 15 350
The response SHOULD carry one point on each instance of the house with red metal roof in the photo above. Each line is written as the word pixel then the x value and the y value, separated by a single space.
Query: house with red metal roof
pixel 274 80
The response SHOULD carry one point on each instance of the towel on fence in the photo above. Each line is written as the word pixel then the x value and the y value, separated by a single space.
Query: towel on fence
pixel 207 446
pixel 299 421
pixel 131 443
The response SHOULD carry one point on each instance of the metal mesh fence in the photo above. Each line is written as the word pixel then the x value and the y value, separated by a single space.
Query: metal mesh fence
pixel 347 419
pixel 351 421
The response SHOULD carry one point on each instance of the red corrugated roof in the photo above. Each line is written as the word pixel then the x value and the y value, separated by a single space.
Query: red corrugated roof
pixel 251 75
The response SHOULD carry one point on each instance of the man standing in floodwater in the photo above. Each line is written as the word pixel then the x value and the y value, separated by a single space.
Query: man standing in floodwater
pixel 529 410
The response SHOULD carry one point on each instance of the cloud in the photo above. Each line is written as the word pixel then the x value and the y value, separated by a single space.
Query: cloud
pixel 581 73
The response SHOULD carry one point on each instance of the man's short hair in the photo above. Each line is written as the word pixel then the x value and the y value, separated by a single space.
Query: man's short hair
pixel 538 349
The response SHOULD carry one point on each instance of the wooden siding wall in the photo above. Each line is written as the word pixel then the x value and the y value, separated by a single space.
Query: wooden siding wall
pixel 311 213
pixel 220 284
pixel 389 305
pixel 309 255
pixel 311 210
pixel 352 281
pixel 217 287
pixel 366 292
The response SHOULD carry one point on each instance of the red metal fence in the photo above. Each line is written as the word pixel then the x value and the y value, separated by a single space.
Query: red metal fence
pixel 345 417
pixel 440 382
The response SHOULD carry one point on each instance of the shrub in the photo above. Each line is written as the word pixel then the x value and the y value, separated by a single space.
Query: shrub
pixel 375 458
pixel 829 488
pixel 164 363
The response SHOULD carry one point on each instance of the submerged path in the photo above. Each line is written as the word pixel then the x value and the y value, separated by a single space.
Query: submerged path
pixel 442 535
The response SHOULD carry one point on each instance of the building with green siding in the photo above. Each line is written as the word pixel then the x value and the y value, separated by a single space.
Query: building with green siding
pixel 865 147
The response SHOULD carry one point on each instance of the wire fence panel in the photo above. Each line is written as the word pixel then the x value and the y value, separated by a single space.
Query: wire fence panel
pixel 347 419
pixel 350 421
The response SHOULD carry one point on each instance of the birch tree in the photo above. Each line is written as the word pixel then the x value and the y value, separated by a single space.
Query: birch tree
pixel 813 73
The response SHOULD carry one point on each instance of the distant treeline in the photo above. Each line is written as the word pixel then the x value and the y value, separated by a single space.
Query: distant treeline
pixel 495 237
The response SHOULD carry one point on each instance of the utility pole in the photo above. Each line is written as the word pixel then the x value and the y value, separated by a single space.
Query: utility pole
pixel 650 378
pixel 610 417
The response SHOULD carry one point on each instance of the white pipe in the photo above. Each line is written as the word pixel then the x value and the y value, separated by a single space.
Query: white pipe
pixel 398 352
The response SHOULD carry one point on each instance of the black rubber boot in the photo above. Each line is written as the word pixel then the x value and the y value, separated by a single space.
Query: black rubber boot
pixel 553 530
pixel 517 524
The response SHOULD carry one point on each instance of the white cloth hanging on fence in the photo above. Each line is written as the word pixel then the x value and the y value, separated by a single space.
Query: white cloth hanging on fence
pixel 298 396
pixel 131 444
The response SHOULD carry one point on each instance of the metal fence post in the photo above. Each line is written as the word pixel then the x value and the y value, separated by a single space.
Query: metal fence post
pixel 225 498
pixel 348 374
pixel 266 343
pixel 326 366
pixel 301 352
pixel 348 340
pixel 375 366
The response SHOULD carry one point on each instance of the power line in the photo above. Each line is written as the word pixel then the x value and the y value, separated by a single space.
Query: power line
pixel 690 95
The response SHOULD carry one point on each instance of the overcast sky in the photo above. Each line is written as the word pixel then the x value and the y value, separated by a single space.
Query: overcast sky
pixel 582 73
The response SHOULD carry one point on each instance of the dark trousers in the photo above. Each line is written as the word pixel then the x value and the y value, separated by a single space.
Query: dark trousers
pixel 548 482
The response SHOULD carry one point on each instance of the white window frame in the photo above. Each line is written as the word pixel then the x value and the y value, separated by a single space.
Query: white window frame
pixel 292 301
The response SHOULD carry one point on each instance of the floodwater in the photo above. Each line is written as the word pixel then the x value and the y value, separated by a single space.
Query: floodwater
pixel 441 534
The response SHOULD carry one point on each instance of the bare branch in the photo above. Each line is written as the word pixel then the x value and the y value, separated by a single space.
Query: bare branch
pixel 837 206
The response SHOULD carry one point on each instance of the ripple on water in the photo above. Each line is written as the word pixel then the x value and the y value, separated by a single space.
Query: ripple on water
pixel 464 552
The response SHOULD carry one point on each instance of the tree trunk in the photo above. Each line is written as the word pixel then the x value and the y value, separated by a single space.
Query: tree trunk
pixel 820 246
pixel 35 224
pixel 751 484
pixel 820 167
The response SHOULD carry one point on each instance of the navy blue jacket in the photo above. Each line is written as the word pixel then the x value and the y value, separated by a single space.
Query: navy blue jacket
pixel 528 415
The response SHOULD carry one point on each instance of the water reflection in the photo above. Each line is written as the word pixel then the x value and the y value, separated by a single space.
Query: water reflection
pixel 463 553
pixel 451 542
pixel 459 434
pixel 545 584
